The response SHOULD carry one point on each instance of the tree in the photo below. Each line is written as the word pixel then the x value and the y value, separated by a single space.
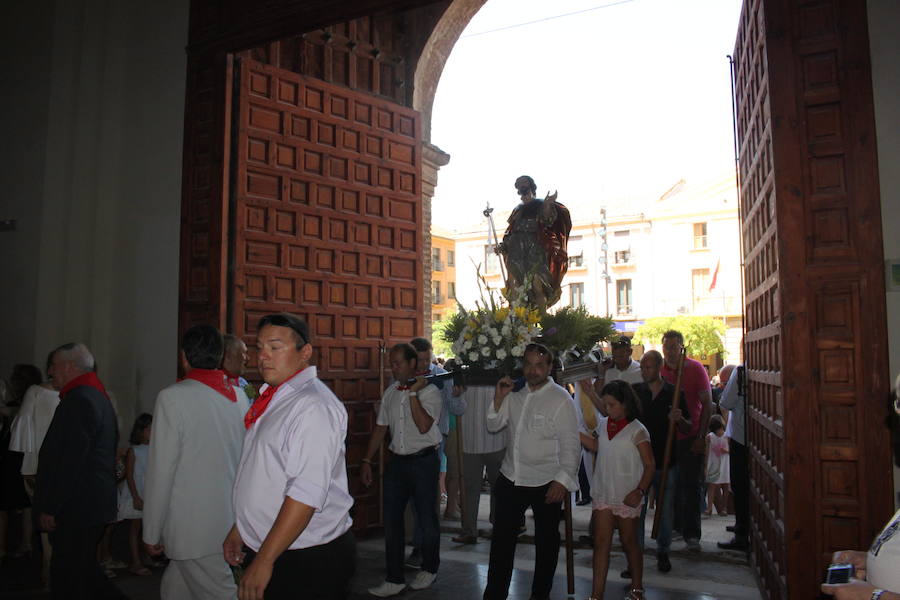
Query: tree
pixel 702 335
pixel 443 347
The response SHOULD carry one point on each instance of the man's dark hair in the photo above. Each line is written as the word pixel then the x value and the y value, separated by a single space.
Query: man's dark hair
pixel 295 324
pixel 203 347
pixel 622 391
pixel 540 349
pixel 672 333
pixel 408 350
pixel 420 344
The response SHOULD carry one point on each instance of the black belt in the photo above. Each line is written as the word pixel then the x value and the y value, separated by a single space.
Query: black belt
pixel 426 452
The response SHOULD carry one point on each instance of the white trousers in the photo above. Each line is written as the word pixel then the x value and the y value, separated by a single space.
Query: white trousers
pixel 205 578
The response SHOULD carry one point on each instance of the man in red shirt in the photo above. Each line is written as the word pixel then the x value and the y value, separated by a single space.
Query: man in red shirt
pixel 690 446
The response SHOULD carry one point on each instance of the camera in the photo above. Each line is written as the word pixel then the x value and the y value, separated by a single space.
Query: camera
pixel 839 573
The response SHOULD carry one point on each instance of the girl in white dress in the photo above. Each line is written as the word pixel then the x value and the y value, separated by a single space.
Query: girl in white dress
pixel 622 475
pixel 718 473
pixel 131 495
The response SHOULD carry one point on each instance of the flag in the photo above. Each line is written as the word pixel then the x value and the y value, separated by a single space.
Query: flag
pixel 715 276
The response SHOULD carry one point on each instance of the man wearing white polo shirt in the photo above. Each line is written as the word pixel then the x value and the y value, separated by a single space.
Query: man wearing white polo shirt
pixel 291 498
pixel 411 410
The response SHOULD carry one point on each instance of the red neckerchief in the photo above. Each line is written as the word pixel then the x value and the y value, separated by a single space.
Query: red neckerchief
pixel 215 379
pixel 614 426
pixel 233 379
pixel 260 405
pixel 89 379
pixel 402 387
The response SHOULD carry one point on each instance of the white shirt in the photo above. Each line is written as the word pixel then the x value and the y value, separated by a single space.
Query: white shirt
pixel 737 405
pixel 396 414
pixel 630 374
pixel 884 556
pixel 31 424
pixel 295 449
pixel 543 428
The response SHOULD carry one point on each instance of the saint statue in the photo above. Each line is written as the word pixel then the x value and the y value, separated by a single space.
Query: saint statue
pixel 535 245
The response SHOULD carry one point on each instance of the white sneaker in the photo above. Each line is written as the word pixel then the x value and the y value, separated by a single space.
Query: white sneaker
pixel 422 580
pixel 388 589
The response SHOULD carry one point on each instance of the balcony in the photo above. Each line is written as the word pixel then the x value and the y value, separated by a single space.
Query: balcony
pixel 437 265
pixel 624 310
pixel 437 298
pixel 622 258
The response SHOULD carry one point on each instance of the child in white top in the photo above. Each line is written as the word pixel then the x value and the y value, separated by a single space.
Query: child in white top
pixel 131 495
pixel 718 472
pixel 622 474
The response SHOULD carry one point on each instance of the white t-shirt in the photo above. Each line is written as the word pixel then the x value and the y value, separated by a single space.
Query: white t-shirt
pixel 630 374
pixel 884 556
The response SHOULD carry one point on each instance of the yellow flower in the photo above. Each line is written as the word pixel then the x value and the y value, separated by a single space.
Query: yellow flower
pixel 521 311
pixel 501 314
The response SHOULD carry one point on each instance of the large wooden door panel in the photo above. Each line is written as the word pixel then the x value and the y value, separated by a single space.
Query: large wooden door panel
pixel 327 225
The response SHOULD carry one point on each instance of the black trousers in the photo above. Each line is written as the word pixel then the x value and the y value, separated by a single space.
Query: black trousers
pixel 317 573
pixel 74 571
pixel 689 491
pixel 740 485
pixel 512 501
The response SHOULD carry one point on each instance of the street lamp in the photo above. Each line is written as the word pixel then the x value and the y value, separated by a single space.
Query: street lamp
pixel 604 260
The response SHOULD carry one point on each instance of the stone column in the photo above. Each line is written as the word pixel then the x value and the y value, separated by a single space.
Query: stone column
pixel 433 158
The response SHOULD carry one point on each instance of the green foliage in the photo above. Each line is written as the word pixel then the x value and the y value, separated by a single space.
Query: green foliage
pixel 571 326
pixel 445 332
pixel 702 335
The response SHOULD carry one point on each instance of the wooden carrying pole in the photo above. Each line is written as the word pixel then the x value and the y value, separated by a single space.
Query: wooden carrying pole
pixel 667 457
pixel 382 347
pixel 570 553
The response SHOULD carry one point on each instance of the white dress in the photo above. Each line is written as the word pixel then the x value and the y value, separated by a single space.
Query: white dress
pixel 32 423
pixel 126 502
pixel 718 468
pixel 619 468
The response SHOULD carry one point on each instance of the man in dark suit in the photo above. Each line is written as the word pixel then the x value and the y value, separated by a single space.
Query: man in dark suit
pixel 75 494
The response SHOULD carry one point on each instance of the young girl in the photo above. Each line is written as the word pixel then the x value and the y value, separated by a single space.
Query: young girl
pixel 131 500
pixel 718 474
pixel 622 474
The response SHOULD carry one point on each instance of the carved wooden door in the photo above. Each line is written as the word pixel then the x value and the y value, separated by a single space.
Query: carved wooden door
pixel 815 346
pixel 326 224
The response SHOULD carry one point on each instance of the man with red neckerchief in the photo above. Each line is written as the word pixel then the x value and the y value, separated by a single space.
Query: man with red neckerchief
pixel 195 446
pixel 75 494
pixel 292 522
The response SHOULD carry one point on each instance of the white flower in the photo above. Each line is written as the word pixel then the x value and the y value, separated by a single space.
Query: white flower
pixel 501 353
pixel 486 351
pixel 482 339
pixel 518 350
pixel 491 331
pixel 504 331
pixel 473 356
pixel 467 345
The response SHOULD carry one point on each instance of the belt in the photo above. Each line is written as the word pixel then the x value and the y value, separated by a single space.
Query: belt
pixel 426 452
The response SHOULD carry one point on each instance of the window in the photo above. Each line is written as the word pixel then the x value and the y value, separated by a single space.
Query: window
pixel 451 258
pixel 451 289
pixel 699 236
pixel 491 260
pixel 624 297
pixel 622 257
pixel 435 317
pixel 576 294
pixel 436 264
pixel 699 286
pixel 575 250
pixel 436 292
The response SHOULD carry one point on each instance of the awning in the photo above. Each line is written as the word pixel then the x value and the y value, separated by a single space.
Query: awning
pixel 627 325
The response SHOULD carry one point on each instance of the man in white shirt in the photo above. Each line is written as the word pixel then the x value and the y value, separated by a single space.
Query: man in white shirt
pixel 291 499
pixel 622 366
pixel 195 445
pixel 540 467
pixel 411 411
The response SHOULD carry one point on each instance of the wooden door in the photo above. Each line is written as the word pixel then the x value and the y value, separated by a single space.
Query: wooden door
pixel 326 225
pixel 816 337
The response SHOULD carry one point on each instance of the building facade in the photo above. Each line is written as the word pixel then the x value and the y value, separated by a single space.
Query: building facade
pixel 443 274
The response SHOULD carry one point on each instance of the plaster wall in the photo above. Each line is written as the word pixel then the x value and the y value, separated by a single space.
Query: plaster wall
pixel 99 197
pixel 884 40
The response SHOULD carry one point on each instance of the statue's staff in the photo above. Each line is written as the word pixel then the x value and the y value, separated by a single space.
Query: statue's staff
pixel 492 233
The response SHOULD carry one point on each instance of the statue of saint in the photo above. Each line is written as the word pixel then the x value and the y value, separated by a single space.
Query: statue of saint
pixel 535 244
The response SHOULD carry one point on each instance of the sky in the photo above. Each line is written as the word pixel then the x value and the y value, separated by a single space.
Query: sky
pixel 610 102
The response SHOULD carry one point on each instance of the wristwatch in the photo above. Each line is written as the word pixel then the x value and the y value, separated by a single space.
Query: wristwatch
pixel 876 594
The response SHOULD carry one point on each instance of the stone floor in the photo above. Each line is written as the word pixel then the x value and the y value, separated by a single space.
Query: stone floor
pixel 712 573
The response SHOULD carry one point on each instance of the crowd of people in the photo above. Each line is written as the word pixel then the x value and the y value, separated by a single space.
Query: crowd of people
pixel 245 492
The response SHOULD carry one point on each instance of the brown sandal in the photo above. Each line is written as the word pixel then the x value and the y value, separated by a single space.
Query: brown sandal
pixel 635 594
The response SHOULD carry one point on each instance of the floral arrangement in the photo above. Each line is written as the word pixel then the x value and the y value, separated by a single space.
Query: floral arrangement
pixel 494 335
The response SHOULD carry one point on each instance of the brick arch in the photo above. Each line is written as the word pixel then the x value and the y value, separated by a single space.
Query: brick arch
pixel 434 56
